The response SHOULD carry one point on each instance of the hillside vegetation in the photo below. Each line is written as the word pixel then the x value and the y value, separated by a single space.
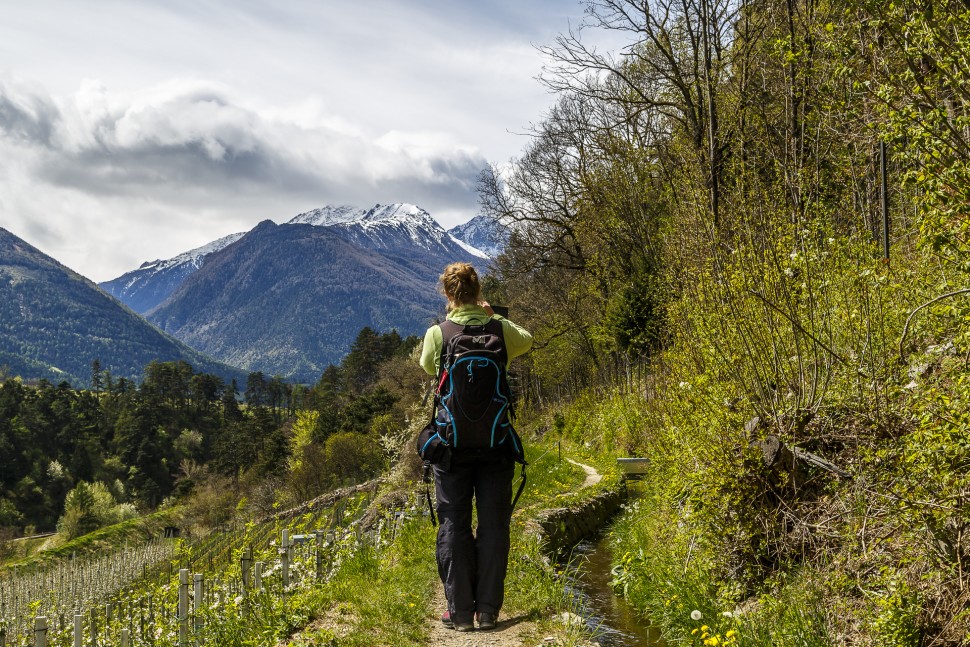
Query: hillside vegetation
pixel 696 241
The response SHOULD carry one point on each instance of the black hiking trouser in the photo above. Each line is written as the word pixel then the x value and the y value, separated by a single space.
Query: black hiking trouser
pixel 473 566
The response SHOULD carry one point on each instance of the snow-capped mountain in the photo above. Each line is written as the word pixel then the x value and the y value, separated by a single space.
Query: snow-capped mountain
pixel 143 289
pixel 288 299
pixel 388 226
pixel 482 233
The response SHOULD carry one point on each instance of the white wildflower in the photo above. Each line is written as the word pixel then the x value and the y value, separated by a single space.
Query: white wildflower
pixel 696 615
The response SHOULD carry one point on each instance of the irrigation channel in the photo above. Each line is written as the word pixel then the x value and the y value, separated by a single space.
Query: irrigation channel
pixel 613 622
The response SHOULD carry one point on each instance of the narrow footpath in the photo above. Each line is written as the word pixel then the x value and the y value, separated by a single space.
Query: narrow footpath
pixel 512 631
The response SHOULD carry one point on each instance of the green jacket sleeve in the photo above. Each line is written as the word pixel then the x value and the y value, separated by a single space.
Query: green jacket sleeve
pixel 518 340
pixel 431 351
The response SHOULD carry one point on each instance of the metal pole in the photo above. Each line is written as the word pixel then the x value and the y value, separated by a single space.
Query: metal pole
pixel 885 200
pixel 286 558
pixel 258 576
pixel 78 629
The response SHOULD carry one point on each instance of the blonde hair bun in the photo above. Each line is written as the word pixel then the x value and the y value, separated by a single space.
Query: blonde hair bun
pixel 460 284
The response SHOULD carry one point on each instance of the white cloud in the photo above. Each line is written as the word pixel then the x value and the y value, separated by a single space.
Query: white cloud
pixel 135 163
pixel 137 130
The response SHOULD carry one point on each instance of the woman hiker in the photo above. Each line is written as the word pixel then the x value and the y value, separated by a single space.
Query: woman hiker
pixel 472 565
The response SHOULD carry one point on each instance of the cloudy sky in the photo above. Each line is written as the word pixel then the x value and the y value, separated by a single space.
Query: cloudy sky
pixel 132 130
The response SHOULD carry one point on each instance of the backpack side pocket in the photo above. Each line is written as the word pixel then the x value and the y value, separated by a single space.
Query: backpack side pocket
pixel 431 447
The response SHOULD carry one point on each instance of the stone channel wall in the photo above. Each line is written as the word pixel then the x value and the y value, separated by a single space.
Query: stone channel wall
pixel 563 528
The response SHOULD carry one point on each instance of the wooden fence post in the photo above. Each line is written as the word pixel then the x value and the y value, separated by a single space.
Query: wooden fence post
pixel 245 563
pixel 94 627
pixel 199 590
pixel 78 629
pixel 40 631
pixel 124 638
pixel 319 557
pixel 183 610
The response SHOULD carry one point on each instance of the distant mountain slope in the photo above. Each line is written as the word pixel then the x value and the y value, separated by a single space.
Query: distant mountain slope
pixel 54 323
pixel 149 285
pixel 483 234
pixel 289 299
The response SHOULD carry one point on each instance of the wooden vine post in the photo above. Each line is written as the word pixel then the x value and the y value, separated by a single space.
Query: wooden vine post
pixel 245 564
pixel 183 610
pixel 198 582
pixel 40 631
pixel 285 557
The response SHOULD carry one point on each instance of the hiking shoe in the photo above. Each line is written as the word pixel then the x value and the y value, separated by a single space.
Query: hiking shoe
pixel 486 620
pixel 448 622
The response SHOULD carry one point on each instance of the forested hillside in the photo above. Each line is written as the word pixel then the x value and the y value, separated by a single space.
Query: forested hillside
pixel 76 460
pixel 698 246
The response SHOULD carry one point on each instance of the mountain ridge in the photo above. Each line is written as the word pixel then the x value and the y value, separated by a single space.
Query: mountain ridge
pixel 289 299
pixel 388 226
pixel 54 323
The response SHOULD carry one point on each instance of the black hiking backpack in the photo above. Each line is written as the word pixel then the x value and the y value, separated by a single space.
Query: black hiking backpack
pixel 473 406
pixel 474 399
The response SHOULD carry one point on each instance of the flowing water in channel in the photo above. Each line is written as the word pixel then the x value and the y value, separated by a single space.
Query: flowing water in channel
pixel 613 621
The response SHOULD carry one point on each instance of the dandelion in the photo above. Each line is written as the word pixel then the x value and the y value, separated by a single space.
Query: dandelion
pixel 727 614
pixel 696 615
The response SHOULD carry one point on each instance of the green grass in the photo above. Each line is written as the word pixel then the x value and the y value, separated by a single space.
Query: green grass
pixel 388 596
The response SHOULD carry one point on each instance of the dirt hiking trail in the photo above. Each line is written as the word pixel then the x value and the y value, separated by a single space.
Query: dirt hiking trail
pixel 512 631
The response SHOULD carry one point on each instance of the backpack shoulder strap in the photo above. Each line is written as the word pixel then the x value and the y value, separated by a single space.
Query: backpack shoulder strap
pixel 495 327
pixel 449 329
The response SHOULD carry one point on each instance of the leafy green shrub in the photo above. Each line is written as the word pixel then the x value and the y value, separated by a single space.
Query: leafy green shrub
pixel 90 506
